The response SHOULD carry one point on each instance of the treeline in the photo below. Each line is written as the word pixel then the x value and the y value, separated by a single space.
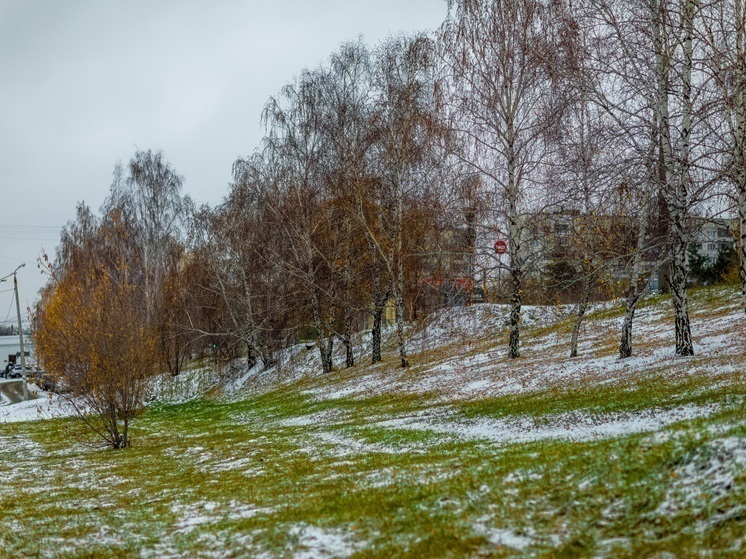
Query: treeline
pixel 585 135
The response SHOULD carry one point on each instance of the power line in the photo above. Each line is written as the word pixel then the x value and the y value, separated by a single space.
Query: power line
pixel 9 309
pixel 29 232
pixel 30 227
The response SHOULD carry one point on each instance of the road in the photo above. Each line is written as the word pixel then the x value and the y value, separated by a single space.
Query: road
pixel 11 391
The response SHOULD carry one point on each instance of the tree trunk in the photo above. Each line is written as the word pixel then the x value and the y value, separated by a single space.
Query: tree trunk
pixel 349 354
pixel 346 340
pixel 625 344
pixel 515 315
pixel 684 345
pixel 399 280
pixel 252 354
pixel 580 313
pixel 326 347
pixel 675 182
pixel 125 434
pixel 742 238
pixel 400 330
pixel 267 358
pixel 637 287
pixel 376 332
pixel 514 242
pixel 740 139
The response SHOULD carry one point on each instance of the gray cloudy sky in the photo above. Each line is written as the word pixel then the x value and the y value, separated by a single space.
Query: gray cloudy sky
pixel 85 82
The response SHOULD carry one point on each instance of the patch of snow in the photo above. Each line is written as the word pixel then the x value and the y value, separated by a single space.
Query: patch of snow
pixel 346 446
pixel 193 515
pixel 323 417
pixel 467 325
pixel 313 542
pixel 575 426
pixel 44 405
pixel 188 385
pixel 707 476
pixel 508 538
pixel 500 536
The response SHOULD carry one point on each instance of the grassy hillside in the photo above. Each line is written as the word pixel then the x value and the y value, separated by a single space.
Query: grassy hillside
pixel 463 455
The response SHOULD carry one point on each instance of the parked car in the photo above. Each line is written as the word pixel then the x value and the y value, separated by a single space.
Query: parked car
pixel 17 371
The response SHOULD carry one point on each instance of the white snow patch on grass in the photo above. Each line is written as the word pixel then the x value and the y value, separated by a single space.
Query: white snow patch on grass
pixel 323 417
pixel 313 542
pixel 501 537
pixel 575 426
pixel 44 405
pixel 347 446
pixel 707 477
pixel 194 515
pixel 187 385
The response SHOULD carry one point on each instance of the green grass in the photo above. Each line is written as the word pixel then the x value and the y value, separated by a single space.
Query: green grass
pixel 253 477
pixel 395 503
pixel 654 389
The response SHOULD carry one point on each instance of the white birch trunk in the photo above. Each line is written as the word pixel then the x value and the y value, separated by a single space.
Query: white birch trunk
pixel 740 140
pixel 674 189
pixel 516 252
pixel 637 286
pixel 399 281
pixel 579 314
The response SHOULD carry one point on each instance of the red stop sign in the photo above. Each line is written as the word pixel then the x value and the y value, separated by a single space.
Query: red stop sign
pixel 501 247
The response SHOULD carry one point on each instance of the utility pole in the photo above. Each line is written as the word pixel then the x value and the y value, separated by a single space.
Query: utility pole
pixel 20 330
pixel 20 335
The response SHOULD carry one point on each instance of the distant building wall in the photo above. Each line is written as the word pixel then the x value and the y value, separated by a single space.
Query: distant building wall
pixel 714 236
pixel 9 345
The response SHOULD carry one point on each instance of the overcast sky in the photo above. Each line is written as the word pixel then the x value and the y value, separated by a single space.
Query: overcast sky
pixel 83 83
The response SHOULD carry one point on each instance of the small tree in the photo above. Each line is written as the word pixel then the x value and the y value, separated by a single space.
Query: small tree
pixel 91 334
pixel 704 272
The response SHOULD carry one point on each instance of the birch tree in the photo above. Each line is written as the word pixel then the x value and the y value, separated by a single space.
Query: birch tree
pixel 650 83
pixel 348 138
pixel 494 51
pixel 675 177
pixel 724 33
pixel 403 108
pixel 299 199
pixel 151 193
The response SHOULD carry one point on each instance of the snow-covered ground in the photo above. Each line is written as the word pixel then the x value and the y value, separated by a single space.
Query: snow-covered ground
pixel 43 405
pixel 455 356
pixel 192 384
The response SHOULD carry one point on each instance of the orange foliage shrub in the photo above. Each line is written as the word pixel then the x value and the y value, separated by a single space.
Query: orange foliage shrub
pixel 91 334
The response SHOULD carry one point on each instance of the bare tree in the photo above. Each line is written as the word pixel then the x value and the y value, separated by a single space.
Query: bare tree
pixel 675 178
pixel 298 196
pixel 151 193
pixel 496 53
pixel 650 82
pixel 348 138
pixel 405 98
pixel 724 32
pixel 582 173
